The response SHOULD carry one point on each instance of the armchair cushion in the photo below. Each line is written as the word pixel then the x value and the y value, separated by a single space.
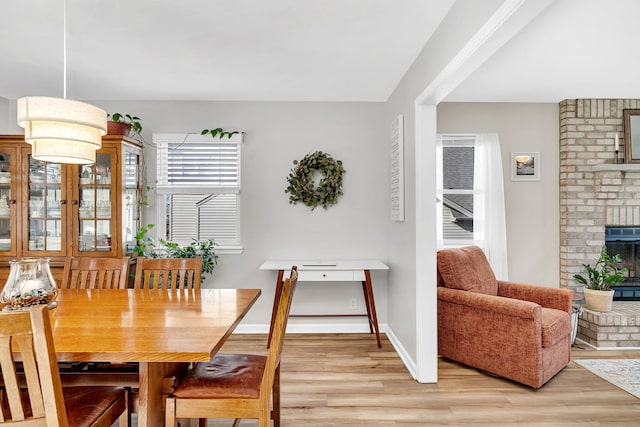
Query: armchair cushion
pixel 555 324
pixel 467 269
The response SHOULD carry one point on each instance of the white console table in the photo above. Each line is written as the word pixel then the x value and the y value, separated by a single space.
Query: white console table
pixel 330 271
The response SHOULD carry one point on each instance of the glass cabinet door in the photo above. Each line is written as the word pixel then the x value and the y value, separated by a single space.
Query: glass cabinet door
pixel 7 202
pixel 96 219
pixel 46 203
pixel 131 201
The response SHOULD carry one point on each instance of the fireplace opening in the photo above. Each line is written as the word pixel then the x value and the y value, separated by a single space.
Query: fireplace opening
pixel 625 240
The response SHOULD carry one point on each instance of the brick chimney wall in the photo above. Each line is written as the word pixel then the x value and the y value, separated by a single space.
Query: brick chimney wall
pixel 591 199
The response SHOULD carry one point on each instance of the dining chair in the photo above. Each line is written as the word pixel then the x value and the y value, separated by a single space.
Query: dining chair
pixel 33 394
pixel 91 273
pixel 169 273
pixel 235 385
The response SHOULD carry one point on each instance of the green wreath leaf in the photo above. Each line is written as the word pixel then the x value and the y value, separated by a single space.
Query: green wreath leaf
pixel 302 188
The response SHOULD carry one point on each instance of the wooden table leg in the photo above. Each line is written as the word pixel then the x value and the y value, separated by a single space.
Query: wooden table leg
pixel 366 304
pixel 276 300
pixel 371 305
pixel 150 404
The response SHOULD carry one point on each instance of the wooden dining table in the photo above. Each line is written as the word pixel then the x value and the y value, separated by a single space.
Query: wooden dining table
pixel 161 330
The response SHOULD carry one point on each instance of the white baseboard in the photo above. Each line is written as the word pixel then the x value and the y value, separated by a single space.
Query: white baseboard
pixel 322 328
pixel 605 348
pixel 409 363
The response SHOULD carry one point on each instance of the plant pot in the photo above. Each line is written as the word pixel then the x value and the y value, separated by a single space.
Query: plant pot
pixel 118 128
pixel 598 300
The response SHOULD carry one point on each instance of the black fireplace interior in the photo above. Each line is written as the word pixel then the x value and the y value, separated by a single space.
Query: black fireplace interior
pixel 625 240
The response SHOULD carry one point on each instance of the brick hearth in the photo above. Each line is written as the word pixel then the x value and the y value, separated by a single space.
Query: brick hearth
pixel 615 329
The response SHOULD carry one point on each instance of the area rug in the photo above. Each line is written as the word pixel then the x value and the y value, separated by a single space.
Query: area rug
pixel 624 373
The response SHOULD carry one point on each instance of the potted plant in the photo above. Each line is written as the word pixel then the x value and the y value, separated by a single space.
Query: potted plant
pixel 599 279
pixel 123 124
pixel 202 248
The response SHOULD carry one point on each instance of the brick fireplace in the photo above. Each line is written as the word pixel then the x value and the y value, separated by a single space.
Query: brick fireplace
pixel 594 191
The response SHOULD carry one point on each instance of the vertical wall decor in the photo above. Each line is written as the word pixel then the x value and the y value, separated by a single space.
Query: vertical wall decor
pixel 397 169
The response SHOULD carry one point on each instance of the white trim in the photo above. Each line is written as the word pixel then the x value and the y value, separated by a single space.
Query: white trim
pixel 425 192
pixel 193 137
pixel 508 20
pixel 606 348
pixel 405 356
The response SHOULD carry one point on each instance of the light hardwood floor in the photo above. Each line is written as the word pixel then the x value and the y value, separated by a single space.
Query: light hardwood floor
pixel 345 380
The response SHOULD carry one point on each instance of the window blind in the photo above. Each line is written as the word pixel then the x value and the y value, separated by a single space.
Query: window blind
pixel 186 161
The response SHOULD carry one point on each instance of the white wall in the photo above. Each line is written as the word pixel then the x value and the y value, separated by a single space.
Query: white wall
pixel 532 208
pixel 276 134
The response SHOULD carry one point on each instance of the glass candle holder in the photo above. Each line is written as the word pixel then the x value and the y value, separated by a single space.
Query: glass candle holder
pixel 30 283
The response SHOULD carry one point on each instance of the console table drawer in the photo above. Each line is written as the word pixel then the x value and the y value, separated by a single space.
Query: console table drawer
pixel 330 276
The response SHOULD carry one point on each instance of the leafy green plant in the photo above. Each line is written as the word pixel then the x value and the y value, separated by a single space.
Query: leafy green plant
pixel 144 244
pixel 202 248
pixel 604 274
pixel 134 121
pixel 221 132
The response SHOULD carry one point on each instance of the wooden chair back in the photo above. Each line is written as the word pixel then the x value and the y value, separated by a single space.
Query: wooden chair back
pixel 168 273
pixel 29 334
pixel 95 273
pixel 279 328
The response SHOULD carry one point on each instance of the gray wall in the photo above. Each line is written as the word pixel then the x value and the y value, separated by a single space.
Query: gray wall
pixel 4 113
pixel 276 134
pixel 532 208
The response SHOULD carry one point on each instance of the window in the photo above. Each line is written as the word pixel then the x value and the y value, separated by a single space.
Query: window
pixel 455 191
pixel 199 189
pixel 470 192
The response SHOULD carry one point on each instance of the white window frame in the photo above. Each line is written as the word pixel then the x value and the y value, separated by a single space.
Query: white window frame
pixel 164 188
pixel 467 140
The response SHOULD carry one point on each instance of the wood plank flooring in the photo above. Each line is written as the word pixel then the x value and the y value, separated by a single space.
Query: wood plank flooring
pixel 345 380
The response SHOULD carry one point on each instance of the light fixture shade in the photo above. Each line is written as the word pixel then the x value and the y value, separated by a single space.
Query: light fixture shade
pixel 45 109
pixel 62 130
pixel 35 130
pixel 61 151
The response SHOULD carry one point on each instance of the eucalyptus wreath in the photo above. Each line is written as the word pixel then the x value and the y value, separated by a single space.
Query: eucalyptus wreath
pixel 302 187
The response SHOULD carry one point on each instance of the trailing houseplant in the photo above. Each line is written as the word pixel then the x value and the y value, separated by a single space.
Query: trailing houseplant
pixel 599 279
pixel 221 133
pixel 144 244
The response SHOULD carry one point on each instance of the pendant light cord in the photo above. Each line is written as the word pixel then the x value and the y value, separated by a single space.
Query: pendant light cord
pixel 64 49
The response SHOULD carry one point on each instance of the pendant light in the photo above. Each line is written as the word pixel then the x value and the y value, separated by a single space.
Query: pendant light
pixel 62 130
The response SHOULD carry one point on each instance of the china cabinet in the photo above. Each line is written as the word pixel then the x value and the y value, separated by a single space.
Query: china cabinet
pixel 58 210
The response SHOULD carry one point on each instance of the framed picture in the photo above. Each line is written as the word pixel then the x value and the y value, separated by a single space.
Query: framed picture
pixel 631 136
pixel 525 166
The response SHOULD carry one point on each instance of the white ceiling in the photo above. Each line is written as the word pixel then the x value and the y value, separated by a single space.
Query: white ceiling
pixel 573 49
pixel 326 50
pixel 320 50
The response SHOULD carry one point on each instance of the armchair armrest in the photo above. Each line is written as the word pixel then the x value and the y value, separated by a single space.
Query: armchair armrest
pixel 547 297
pixel 491 303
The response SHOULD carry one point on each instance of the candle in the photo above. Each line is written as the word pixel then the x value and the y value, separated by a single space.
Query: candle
pixel 617 143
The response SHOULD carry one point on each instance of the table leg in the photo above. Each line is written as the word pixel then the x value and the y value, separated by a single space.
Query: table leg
pixel 276 300
pixel 150 404
pixel 366 304
pixel 371 305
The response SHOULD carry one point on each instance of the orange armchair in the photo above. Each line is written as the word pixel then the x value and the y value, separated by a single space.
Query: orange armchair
pixel 516 331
